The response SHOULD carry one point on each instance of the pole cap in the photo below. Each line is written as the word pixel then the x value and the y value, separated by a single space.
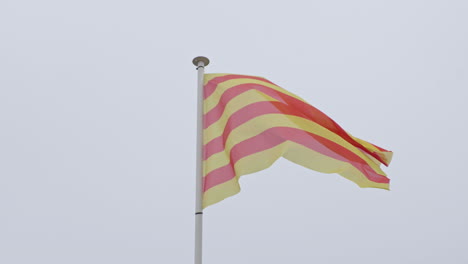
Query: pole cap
pixel 198 59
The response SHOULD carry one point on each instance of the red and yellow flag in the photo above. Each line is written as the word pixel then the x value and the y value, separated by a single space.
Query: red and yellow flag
pixel 249 122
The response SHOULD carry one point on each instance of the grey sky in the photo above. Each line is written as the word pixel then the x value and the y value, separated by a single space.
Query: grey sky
pixel 97 123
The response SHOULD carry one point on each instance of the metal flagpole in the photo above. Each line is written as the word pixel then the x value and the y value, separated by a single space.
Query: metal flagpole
pixel 200 63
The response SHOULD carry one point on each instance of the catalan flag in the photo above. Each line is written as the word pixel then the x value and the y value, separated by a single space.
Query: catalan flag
pixel 249 122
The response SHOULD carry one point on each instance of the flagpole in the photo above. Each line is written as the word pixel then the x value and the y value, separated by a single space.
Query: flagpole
pixel 200 62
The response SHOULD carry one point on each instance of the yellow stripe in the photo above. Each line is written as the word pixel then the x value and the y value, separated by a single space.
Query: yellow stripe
pixel 216 161
pixel 259 124
pixel 237 103
pixel 294 152
pixel 385 155
pixel 214 98
pixel 315 161
pixel 221 192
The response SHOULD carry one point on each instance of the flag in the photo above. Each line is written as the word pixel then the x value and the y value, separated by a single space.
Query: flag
pixel 249 122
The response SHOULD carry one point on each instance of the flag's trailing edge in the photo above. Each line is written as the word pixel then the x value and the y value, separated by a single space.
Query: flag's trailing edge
pixel 249 122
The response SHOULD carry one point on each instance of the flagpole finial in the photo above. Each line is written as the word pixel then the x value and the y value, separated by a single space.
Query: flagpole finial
pixel 199 59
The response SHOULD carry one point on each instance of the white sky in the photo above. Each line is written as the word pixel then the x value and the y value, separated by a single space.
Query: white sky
pixel 97 130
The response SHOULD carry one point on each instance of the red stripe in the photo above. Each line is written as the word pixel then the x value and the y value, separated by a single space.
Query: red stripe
pixel 296 106
pixel 274 136
pixel 214 146
pixel 379 148
pixel 243 115
pixel 212 84
pixel 215 114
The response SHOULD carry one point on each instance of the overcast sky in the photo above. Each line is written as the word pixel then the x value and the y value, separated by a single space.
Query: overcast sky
pixel 97 130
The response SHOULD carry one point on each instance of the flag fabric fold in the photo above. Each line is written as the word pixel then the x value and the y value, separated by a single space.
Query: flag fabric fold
pixel 249 122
